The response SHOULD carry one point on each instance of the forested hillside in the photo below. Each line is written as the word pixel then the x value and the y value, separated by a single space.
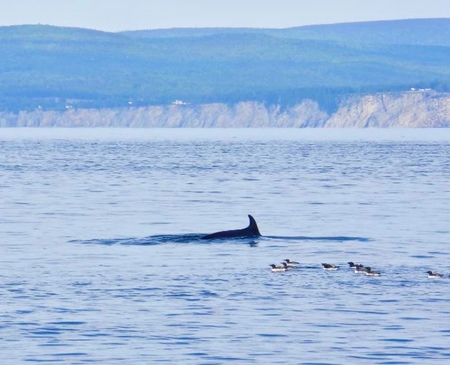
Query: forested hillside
pixel 55 68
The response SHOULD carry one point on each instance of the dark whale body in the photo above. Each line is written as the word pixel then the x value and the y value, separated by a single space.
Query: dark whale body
pixel 251 231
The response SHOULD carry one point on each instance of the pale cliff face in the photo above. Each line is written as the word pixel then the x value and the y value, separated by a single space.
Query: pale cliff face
pixel 412 109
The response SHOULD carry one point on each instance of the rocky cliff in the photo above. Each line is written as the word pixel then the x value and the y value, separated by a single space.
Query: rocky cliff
pixel 417 108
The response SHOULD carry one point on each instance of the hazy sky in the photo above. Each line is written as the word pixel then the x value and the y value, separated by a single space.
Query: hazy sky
pixel 116 15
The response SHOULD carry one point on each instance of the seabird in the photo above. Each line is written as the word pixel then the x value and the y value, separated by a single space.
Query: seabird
pixel 290 263
pixel 434 275
pixel 370 272
pixel 329 267
pixel 276 268
pixel 353 265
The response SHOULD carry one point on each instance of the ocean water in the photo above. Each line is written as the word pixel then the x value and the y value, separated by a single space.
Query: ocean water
pixel 101 261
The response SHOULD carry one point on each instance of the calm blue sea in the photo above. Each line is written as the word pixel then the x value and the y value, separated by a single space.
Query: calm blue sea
pixel 101 261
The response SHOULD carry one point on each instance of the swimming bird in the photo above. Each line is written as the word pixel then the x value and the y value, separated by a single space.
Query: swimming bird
pixel 276 268
pixel 251 231
pixel 290 263
pixel 330 267
pixel 370 272
pixel 360 269
pixel 434 275
pixel 352 265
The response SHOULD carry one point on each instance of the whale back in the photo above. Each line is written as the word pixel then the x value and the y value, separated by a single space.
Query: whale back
pixel 251 231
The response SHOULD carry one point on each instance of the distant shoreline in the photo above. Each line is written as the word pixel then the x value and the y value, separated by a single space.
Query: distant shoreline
pixel 225 77
pixel 412 109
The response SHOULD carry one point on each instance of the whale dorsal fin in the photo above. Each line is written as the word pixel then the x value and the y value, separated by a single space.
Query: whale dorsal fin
pixel 253 227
